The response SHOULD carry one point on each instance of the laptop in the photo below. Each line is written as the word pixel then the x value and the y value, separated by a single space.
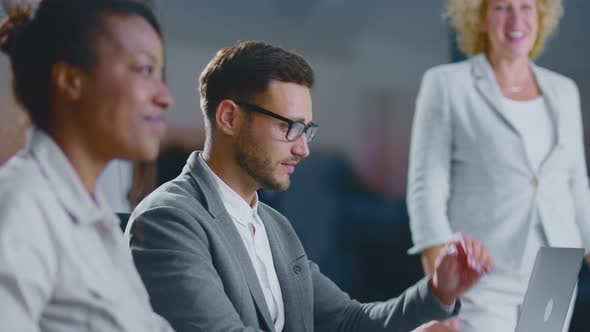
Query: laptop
pixel 550 289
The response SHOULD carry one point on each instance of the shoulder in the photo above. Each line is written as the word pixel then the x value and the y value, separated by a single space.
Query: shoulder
pixel 31 218
pixel 555 80
pixel 270 212
pixel 442 79
pixel 449 71
pixel 181 193
pixel 24 191
pixel 177 206
pixel 275 220
pixel 552 76
pixel 175 192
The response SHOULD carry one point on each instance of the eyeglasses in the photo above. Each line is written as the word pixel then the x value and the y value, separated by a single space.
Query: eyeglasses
pixel 296 128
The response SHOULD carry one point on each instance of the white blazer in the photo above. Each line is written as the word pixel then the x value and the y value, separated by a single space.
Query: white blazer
pixel 469 170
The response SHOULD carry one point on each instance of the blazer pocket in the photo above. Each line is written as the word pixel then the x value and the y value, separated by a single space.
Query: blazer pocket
pixel 300 267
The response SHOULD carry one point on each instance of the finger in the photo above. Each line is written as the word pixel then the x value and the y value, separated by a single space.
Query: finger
pixel 445 265
pixel 477 249
pixel 468 245
pixel 489 263
pixel 465 242
pixel 452 323
pixel 441 327
pixel 428 327
pixel 434 326
pixel 484 257
pixel 476 259
pixel 461 256
pixel 477 256
pixel 453 255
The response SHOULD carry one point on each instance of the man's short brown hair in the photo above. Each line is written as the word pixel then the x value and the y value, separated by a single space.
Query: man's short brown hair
pixel 245 70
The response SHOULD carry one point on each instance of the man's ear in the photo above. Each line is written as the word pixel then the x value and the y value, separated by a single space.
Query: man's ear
pixel 67 80
pixel 229 117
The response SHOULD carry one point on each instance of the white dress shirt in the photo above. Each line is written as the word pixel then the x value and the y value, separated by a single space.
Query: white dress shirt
pixel 64 265
pixel 253 234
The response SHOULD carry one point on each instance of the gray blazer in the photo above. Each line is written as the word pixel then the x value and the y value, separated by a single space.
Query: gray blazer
pixel 200 277
pixel 469 170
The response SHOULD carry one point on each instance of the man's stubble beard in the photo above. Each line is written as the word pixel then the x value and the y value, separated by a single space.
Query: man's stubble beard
pixel 255 163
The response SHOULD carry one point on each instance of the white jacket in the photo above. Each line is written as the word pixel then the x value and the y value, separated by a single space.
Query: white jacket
pixel 469 171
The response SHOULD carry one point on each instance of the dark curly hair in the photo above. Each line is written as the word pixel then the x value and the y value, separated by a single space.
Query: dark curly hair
pixel 59 31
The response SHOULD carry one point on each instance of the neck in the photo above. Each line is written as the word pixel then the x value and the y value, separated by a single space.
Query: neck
pixel 86 162
pixel 510 71
pixel 222 162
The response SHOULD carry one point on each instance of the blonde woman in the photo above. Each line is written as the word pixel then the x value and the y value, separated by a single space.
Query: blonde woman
pixel 497 152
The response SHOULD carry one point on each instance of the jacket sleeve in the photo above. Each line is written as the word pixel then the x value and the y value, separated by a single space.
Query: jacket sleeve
pixel 429 165
pixel 171 253
pixel 579 175
pixel 334 310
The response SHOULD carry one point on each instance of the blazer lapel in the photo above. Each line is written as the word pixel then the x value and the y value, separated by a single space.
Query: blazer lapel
pixel 293 304
pixel 487 86
pixel 217 210
pixel 235 243
pixel 551 100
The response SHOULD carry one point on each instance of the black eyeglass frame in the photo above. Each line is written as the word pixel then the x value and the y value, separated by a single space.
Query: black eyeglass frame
pixel 312 127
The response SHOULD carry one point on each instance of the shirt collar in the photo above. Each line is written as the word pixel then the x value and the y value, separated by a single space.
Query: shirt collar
pixel 65 182
pixel 237 207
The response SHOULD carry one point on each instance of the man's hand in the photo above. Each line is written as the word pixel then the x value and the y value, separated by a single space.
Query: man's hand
pixel 458 267
pixel 434 326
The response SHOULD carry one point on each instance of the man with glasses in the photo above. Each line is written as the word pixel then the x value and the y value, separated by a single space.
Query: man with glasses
pixel 296 128
pixel 214 258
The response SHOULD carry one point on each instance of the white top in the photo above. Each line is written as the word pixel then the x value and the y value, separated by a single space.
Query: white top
pixel 533 121
pixel 495 301
pixel 64 265
pixel 253 234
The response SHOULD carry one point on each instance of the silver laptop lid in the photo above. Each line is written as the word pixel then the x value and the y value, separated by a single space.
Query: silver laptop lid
pixel 550 289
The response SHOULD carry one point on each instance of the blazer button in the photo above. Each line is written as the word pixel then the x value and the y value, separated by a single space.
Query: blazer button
pixel 535 182
pixel 297 269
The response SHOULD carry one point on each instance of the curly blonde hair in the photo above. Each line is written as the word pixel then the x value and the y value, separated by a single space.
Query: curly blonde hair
pixel 466 17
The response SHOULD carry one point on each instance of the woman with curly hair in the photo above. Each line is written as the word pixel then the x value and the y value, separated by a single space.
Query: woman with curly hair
pixel 497 152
